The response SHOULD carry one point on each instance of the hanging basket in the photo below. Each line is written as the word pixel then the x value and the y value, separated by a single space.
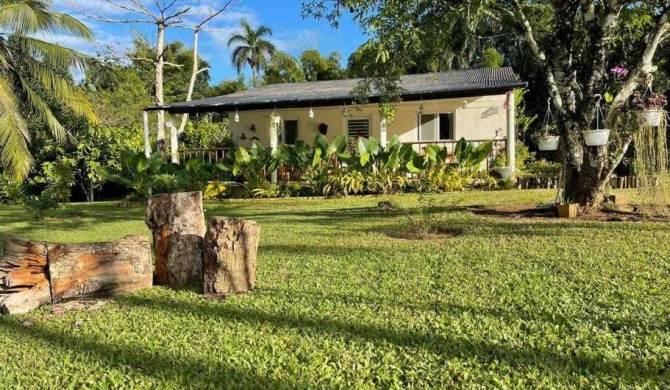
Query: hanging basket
pixel 596 137
pixel 652 117
pixel 548 142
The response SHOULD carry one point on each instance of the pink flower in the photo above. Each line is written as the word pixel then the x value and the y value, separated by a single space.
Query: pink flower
pixel 619 71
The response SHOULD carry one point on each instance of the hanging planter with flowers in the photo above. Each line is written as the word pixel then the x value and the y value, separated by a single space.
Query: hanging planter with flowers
pixel 547 140
pixel 651 106
pixel 597 137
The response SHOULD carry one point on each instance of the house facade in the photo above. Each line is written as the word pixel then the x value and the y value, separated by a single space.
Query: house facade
pixel 420 122
pixel 436 108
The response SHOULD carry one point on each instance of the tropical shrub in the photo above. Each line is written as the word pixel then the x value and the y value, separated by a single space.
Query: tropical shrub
pixel 11 191
pixel 544 169
pixel 470 157
pixel 440 178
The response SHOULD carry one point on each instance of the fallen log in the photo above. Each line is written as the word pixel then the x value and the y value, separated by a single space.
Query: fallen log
pixel 33 274
pixel 100 269
pixel 23 276
pixel 229 261
pixel 177 222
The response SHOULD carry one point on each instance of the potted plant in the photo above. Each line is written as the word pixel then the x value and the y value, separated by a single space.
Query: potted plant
pixel 545 140
pixel 597 137
pixel 651 107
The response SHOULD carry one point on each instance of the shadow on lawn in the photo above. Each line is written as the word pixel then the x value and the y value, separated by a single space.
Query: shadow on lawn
pixel 186 373
pixel 448 346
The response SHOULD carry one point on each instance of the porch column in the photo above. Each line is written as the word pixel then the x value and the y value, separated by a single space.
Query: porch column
pixel 147 144
pixel 511 134
pixel 174 139
pixel 275 125
pixel 382 132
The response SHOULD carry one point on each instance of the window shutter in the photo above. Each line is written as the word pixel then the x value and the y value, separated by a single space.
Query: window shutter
pixel 358 128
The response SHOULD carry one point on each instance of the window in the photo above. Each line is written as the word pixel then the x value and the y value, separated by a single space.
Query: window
pixel 290 132
pixel 436 127
pixel 358 127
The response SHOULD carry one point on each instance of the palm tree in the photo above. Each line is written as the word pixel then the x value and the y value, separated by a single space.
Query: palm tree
pixel 28 66
pixel 252 48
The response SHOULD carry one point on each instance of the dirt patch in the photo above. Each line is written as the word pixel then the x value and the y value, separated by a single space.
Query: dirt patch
pixel 436 235
pixel 609 213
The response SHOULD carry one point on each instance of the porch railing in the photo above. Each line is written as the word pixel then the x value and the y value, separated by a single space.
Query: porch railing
pixel 210 155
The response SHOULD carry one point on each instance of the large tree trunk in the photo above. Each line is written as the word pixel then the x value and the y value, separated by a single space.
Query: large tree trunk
pixel 178 225
pixel 229 262
pixel 587 174
pixel 23 277
pixel 100 269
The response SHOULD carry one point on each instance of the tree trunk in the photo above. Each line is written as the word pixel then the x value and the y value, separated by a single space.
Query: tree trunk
pixel 23 277
pixel 194 77
pixel 178 225
pixel 229 262
pixel 160 62
pixel 587 179
pixel 100 269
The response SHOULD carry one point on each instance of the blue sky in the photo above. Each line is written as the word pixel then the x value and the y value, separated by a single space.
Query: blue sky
pixel 292 34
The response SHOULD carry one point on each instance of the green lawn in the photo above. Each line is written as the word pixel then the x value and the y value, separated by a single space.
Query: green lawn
pixel 509 303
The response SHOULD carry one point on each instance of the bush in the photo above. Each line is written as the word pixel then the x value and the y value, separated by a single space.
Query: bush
pixel 11 191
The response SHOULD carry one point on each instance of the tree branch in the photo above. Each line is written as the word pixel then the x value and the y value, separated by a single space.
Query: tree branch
pixel 540 55
pixel 644 66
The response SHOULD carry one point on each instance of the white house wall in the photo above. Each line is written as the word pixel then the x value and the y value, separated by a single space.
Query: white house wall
pixel 480 118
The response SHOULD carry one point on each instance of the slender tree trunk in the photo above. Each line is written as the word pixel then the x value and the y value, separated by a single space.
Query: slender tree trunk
pixel 160 60
pixel 194 77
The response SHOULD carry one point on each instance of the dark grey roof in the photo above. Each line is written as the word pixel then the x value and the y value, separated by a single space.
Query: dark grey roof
pixel 459 83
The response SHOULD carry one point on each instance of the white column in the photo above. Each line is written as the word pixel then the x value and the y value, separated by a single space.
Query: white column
pixel 275 126
pixel 174 139
pixel 511 134
pixel 147 144
pixel 382 132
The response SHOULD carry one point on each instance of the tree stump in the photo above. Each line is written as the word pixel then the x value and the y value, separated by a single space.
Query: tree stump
pixel 178 225
pixel 23 279
pixel 229 262
pixel 100 269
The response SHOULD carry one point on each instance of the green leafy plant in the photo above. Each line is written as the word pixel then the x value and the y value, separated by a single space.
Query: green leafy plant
pixel 470 157
pixel 143 176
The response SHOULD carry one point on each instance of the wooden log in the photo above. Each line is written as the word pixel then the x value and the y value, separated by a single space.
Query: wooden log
pixel 177 222
pixel 23 276
pixel 100 269
pixel 229 262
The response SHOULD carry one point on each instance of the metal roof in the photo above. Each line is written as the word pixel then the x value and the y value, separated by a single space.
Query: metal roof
pixel 454 84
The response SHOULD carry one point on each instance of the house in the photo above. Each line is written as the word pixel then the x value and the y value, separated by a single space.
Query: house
pixel 476 104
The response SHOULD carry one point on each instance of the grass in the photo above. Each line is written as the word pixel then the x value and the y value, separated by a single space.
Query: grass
pixel 508 303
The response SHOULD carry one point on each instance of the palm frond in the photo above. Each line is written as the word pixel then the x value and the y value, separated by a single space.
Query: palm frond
pixel 263 31
pixel 237 38
pixel 14 135
pixel 43 110
pixel 60 87
pixel 20 18
pixel 53 55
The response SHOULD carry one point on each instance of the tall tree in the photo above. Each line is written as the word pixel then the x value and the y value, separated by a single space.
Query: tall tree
pixel 282 68
pixel 162 14
pixel 317 68
pixel 27 63
pixel 251 48
pixel 572 62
